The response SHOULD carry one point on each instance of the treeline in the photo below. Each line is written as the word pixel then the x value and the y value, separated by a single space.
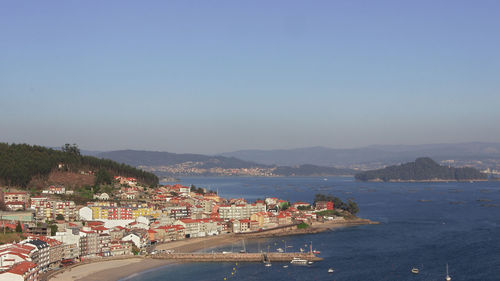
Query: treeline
pixel 423 169
pixel 311 170
pixel 19 163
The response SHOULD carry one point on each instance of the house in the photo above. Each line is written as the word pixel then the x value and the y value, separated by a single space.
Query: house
pixel 324 205
pixel 16 197
pixel 15 205
pixel 54 190
pixel 22 271
pixel 101 196
pixel 55 249
pixel 41 253
pixel 88 242
pixel 11 254
pixel 71 242
pixel 104 245
pixel 284 218
pixel 167 233
pixel 135 238
pixel 46 209
pixel 120 248
pixel 151 235
pixel 301 205
pixel 191 226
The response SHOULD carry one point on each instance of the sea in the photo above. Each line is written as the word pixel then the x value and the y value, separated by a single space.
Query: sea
pixel 422 225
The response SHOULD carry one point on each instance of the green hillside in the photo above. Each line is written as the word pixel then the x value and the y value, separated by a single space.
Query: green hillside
pixel 20 163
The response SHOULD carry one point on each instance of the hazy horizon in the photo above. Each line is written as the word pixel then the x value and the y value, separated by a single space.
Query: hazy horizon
pixel 225 76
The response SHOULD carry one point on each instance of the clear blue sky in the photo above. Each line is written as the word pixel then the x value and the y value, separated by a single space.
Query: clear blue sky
pixel 217 76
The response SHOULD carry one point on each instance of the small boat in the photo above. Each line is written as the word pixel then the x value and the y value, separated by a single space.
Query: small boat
pixel 316 252
pixel 415 270
pixel 267 264
pixel 310 262
pixel 285 266
pixel 279 250
pixel 301 250
pixel 330 270
pixel 298 261
pixel 448 278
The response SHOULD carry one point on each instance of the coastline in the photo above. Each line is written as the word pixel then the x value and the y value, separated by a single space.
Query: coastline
pixel 427 181
pixel 120 268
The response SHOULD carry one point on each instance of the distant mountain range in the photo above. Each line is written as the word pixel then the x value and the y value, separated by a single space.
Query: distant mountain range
pixel 173 164
pixel 157 158
pixel 375 155
pixel 312 161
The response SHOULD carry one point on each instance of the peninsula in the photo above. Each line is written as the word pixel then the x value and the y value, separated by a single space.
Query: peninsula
pixel 422 170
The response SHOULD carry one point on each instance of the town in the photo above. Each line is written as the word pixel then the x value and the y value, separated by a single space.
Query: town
pixel 48 231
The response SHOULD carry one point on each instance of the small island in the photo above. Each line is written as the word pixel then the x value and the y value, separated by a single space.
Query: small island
pixel 422 170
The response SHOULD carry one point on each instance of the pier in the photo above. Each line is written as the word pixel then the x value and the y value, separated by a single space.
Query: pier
pixel 236 257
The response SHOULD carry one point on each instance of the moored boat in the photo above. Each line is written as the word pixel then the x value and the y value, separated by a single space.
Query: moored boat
pixel 448 278
pixel 298 261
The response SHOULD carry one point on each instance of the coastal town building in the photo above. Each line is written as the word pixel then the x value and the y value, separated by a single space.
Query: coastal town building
pixel 227 212
pixel 48 209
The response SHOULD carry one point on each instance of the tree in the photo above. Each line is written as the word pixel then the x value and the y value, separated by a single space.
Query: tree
pixel 102 177
pixel 72 149
pixel 285 206
pixel 59 217
pixel 135 250
pixel 19 228
pixel 53 229
pixel 352 207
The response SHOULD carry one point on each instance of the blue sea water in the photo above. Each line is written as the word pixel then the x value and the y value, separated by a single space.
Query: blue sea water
pixel 425 225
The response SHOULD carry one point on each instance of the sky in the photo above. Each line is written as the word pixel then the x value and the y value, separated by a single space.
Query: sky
pixel 219 76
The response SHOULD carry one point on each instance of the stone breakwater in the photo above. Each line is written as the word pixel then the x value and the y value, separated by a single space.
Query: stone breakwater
pixel 236 257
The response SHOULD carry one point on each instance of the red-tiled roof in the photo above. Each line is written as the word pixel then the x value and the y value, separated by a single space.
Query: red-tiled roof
pixel 22 267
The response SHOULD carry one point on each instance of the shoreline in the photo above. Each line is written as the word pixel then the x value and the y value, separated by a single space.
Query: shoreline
pixel 115 269
pixel 427 181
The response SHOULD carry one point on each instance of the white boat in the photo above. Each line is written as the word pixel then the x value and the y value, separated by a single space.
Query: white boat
pixel 285 266
pixel 298 261
pixel 310 262
pixel 448 278
pixel 279 250
pixel 415 270
pixel 330 270
pixel 267 264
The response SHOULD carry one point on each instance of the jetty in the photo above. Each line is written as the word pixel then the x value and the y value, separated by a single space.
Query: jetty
pixel 236 257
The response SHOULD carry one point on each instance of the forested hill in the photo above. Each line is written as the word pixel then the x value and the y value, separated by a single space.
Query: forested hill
pixel 423 169
pixel 157 158
pixel 20 163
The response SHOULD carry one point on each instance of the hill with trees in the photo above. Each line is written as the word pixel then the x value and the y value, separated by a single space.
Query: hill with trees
pixel 22 163
pixel 423 169
pixel 158 158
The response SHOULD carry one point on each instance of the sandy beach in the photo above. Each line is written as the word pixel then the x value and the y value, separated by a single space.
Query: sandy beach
pixel 108 270
pixel 113 270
